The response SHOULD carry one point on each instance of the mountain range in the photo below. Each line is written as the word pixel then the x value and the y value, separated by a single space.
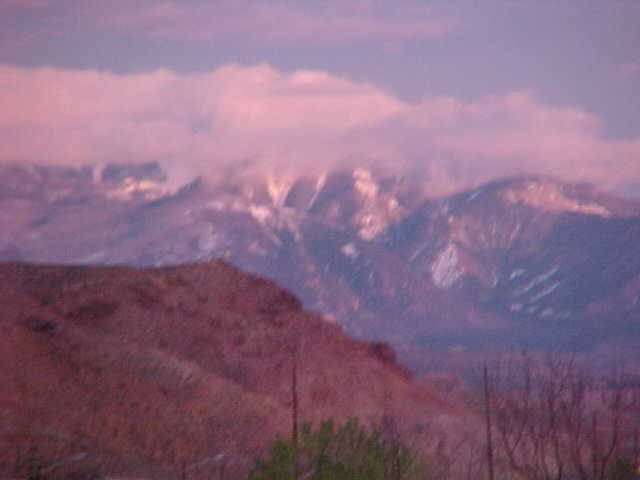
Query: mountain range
pixel 519 262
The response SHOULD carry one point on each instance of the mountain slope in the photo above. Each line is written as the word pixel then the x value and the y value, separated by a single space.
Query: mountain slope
pixel 145 371
pixel 516 262
pixel 536 251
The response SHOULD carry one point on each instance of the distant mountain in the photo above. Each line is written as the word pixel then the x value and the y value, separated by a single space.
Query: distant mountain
pixel 187 370
pixel 541 253
pixel 518 262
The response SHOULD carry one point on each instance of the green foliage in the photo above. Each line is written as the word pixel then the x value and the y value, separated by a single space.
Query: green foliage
pixel 347 452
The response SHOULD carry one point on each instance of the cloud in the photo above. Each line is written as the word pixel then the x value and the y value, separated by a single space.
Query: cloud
pixel 631 67
pixel 302 120
pixel 274 22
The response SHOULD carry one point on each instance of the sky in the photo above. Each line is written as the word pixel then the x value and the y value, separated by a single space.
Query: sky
pixel 458 91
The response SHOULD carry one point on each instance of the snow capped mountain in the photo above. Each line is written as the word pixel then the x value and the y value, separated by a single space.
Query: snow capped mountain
pixel 524 260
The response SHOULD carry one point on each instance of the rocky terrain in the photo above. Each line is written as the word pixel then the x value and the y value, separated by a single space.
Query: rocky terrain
pixel 517 262
pixel 159 372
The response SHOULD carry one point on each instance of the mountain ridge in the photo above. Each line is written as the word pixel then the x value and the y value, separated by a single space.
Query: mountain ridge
pixel 141 369
pixel 520 261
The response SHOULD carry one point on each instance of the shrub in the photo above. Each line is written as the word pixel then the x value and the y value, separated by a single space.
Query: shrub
pixel 347 452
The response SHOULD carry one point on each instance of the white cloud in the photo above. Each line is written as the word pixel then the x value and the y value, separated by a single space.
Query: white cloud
pixel 297 120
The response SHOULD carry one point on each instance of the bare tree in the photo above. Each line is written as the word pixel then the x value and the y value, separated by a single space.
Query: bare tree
pixel 294 413
pixel 488 425
pixel 555 421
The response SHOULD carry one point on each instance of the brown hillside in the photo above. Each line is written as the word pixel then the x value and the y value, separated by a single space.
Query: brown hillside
pixel 150 372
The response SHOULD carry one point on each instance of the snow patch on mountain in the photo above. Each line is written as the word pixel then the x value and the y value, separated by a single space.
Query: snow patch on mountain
pixel 536 281
pixel 515 232
pixel 365 184
pixel 547 312
pixel 546 291
pixel 278 189
pixel 147 189
pixel 274 219
pixel 322 179
pixel 261 213
pixel 475 194
pixel 350 250
pixel 419 251
pixel 445 268
pixel 549 196
pixel 378 209
pixel 370 226
pixel 516 273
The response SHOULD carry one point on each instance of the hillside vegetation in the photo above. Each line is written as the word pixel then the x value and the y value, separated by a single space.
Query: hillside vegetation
pixel 187 369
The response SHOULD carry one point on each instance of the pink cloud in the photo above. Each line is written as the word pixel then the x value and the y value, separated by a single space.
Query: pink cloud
pixel 631 67
pixel 274 22
pixel 297 120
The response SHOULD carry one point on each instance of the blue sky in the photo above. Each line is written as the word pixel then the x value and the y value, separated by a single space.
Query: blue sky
pixel 429 83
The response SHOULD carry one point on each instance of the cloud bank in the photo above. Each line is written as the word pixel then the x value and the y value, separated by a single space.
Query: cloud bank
pixel 302 120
